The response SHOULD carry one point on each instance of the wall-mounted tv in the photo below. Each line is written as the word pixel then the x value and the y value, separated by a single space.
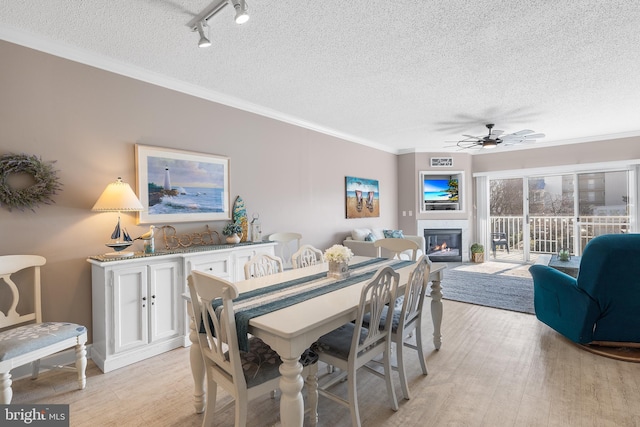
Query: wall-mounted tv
pixel 440 190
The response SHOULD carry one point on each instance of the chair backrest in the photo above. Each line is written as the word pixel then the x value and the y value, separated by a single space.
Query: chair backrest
pixel 397 247
pixel 262 264
pixel 220 336
pixel 378 293
pixel 10 264
pixel 415 292
pixel 306 256
pixel 285 249
pixel 499 237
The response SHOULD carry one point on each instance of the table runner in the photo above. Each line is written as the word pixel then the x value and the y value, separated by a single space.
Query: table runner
pixel 266 300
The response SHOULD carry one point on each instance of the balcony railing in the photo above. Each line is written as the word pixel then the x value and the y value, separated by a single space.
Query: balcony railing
pixel 547 234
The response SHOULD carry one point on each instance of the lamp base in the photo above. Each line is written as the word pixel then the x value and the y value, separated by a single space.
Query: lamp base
pixel 122 254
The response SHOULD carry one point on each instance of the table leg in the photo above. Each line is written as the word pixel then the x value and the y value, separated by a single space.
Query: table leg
pixel 291 402
pixel 436 312
pixel 197 364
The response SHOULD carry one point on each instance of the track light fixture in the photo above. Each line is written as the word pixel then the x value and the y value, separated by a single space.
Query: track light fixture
pixel 200 21
pixel 204 41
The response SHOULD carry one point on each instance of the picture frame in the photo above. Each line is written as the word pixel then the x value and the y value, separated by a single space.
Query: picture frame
pixel 441 162
pixel 181 186
pixel 362 198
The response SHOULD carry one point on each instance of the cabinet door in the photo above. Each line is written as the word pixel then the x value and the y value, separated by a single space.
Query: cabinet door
pixel 164 299
pixel 130 308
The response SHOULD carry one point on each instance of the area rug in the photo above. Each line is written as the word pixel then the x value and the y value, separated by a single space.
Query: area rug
pixel 498 289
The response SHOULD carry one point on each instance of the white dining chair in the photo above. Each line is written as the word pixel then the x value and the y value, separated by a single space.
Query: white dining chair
pixel 34 339
pixel 307 256
pixel 288 243
pixel 397 248
pixel 407 318
pixel 351 346
pixel 244 375
pixel 262 264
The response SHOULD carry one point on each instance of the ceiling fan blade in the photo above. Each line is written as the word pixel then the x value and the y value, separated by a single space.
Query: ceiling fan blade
pixel 474 137
pixel 496 132
pixel 535 136
pixel 523 132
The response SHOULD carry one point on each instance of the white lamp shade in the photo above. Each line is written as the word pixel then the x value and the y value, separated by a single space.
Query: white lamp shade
pixel 118 196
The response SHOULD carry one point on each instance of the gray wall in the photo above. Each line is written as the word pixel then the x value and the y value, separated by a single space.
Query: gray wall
pixel 89 120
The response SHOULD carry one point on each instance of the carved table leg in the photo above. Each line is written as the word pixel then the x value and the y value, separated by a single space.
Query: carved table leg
pixel 291 402
pixel 436 312
pixel 5 388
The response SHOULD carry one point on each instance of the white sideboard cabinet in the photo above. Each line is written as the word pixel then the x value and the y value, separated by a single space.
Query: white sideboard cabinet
pixel 137 305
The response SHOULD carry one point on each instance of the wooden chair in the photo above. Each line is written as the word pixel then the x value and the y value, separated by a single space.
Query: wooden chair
pixel 350 347
pixel 306 256
pixel 244 375
pixel 32 341
pixel 285 249
pixel 262 264
pixel 407 317
pixel 397 247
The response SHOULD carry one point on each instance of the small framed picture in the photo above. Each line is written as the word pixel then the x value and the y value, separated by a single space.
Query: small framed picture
pixel 441 162
pixel 181 186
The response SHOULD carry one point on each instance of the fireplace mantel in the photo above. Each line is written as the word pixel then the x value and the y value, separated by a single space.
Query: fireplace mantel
pixel 462 224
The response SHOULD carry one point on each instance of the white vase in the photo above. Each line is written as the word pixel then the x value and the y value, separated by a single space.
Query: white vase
pixel 338 270
pixel 234 239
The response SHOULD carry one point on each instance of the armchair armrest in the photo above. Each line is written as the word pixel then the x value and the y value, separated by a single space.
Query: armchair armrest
pixel 562 305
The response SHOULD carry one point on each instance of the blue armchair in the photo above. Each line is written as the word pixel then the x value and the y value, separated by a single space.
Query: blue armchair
pixel 603 303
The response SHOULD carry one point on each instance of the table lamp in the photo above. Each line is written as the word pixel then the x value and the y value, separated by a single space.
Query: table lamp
pixel 118 197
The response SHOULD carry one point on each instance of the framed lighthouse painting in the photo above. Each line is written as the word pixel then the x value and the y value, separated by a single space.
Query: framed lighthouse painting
pixel 180 186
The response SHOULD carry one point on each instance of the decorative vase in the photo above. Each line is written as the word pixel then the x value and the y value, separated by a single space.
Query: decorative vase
pixel 338 270
pixel 234 239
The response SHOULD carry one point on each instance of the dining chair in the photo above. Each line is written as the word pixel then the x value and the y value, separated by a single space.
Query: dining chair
pixel 285 246
pixel 306 256
pixel 244 375
pixel 351 346
pixel 262 264
pixel 407 318
pixel 499 239
pixel 34 339
pixel 397 247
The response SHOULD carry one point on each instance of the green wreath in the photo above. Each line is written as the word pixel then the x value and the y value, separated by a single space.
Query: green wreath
pixel 46 182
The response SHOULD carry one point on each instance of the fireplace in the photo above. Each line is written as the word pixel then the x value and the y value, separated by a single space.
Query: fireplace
pixel 444 244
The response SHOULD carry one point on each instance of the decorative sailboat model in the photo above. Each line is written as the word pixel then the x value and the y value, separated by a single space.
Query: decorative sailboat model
pixel 118 197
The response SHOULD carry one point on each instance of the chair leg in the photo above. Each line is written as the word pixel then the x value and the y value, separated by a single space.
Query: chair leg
pixel 81 365
pixel 389 377
pixel 35 369
pixel 210 406
pixel 401 370
pixel 6 393
pixel 312 393
pixel 353 399
pixel 423 361
pixel 241 412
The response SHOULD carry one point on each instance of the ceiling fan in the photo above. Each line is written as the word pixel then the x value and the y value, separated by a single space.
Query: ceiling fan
pixel 496 137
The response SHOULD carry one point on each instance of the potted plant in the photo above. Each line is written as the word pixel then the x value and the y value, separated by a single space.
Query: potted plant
pixel 477 252
pixel 231 230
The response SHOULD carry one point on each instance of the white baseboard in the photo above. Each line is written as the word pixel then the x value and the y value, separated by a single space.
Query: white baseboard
pixel 66 357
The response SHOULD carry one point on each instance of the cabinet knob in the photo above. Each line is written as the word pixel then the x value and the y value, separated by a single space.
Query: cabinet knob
pixel 153 296
pixel 144 298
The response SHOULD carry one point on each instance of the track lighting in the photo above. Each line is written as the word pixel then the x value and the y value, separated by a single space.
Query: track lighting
pixel 201 21
pixel 204 41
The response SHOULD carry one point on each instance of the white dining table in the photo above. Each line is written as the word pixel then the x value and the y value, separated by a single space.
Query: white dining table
pixel 291 330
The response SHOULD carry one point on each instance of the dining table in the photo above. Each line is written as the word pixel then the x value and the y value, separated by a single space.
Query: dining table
pixel 292 329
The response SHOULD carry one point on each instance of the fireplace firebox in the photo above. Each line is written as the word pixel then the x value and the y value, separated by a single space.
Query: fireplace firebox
pixel 444 245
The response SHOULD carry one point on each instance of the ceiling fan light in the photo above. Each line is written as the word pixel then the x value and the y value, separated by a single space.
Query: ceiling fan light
pixel 490 144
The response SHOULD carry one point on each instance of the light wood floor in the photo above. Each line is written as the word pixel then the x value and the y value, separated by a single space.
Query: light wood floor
pixel 495 368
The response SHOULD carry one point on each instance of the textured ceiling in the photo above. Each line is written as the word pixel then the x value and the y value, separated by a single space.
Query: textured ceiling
pixel 399 75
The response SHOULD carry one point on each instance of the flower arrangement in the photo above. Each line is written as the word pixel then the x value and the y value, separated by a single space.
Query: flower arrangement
pixel 338 253
pixel 232 228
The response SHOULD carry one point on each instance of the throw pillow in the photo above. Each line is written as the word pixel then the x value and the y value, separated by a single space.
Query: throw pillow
pixel 370 238
pixel 378 233
pixel 360 233
pixel 394 234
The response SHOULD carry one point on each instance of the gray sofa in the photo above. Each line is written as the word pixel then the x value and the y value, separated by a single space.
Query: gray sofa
pixel 361 247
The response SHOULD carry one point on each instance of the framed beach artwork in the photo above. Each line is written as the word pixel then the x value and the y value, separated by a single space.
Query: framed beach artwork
pixel 180 186
pixel 362 197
